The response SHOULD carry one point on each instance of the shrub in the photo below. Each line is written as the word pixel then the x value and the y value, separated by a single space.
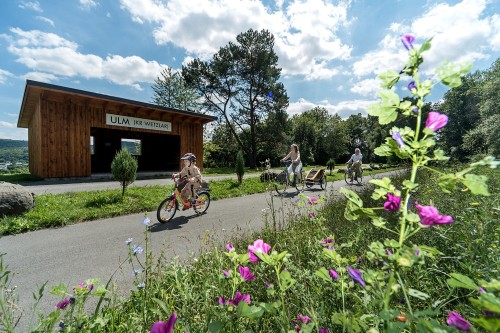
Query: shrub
pixel 330 164
pixel 124 168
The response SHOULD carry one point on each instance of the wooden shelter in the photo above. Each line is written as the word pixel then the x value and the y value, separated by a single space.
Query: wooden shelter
pixel 76 133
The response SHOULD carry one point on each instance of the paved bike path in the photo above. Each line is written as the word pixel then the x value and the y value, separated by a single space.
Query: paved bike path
pixel 95 249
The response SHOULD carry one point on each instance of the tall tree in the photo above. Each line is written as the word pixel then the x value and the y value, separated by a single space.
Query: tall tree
pixel 241 85
pixel 171 91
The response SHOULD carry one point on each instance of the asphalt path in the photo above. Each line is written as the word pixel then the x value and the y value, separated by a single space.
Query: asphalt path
pixel 96 249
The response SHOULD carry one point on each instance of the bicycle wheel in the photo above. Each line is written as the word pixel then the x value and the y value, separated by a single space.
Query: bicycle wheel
pixel 323 183
pixel 348 177
pixel 359 178
pixel 166 210
pixel 202 203
pixel 281 183
pixel 300 184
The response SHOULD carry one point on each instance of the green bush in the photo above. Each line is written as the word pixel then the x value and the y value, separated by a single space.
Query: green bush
pixel 124 168
pixel 330 164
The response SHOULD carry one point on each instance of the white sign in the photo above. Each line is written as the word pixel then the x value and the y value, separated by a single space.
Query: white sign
pixel 117 120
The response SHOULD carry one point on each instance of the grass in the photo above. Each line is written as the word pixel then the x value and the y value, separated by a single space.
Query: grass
pixel 56 210
pixel 470 246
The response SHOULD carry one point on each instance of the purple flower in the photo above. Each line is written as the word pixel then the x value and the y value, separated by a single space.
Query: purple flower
pixel 327 241
pixel 393 202
pixel 415 110
pixel 330 248
pixel 436 120
pixel 238 297
pixel 72 300
pixel 481 290
pixel 454 319
pixel 313 201
pixel 229 247
pixel 407 40
pixel 222 301
pixel 417 252
pixel 226 273
pixel 164 327
pixel 137 249
pixel 333 274
pixel 389 252
pixel 429 216
pixel 146 221
pixel 258 247
pixel 312 215
pixel 356 275
pixel 245 273
pixel 412 86
pixel 398 138
pixel 61 325
pixel 323 330
pixel 268 284
pixel 304 319
pixel 62 304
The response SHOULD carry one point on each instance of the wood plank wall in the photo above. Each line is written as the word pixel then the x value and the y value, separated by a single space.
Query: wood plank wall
pixel 59 132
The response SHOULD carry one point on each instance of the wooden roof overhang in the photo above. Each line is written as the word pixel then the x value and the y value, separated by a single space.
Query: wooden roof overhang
pixel 35 89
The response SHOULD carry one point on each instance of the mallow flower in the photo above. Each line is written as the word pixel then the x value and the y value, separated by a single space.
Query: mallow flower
pixel 258 247
pixel 407 41
pixel 323 330
pixel 245 273
pixel 239 297
pixel 393 202
pixel 356 275
pixel 454 319
pixel 436 120
pixel 334 275
pixel 412 86
pixel 62 304
pixel 229 247
pixel 398 138
pixel 165 327
pixel 429 216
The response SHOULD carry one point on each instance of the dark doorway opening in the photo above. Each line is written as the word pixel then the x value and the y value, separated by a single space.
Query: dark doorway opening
pixel 158 152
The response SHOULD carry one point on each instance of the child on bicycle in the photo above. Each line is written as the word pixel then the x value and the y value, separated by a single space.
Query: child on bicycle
pixel 296 165
pixel 193 174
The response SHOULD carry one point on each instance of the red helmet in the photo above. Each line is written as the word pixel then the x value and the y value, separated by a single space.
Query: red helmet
pixel 189 156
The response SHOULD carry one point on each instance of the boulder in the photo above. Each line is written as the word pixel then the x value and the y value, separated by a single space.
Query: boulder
pixel 14 199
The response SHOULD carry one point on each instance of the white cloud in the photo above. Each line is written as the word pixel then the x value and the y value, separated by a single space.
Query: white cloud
pixel 13 114
pixel 45 19
pixel 51 56
pixel 33 5
pixel 344 109
pixel 88 4
pixel 459 32
pixel 7 124
pixel 304 31
pixel 4 75
pixel 368 87
pixel 14 133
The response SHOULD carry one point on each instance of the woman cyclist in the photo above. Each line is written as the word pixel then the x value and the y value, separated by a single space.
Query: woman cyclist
pixel 296 165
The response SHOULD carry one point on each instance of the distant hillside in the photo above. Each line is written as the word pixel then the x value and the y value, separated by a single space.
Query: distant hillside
pixel 7 143
pixel 13 151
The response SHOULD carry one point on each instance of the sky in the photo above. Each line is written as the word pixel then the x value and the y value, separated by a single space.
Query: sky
pixel 330 52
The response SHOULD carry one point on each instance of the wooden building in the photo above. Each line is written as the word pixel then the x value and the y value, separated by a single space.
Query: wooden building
pixel 76 133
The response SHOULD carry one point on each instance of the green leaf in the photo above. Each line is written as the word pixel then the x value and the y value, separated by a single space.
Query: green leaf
pixel 352 197
pixel 379 222
pixel 216 326
pixel 286 280
pixel 412 217
pixel 249 311
pixel 386 113
pixel 389 79
pixel 323 274
pixel 389 97
pixel 461 281
pixel 477 184
pixel 490 324
pixel 383 150
pixel 447 183
pixel 487 301
pixel 418 294
pixel 270 307
pixel 410 185
pixel 449 73
pixel 59 290
pixel 425 46
pixel 162 305
pixel 439 155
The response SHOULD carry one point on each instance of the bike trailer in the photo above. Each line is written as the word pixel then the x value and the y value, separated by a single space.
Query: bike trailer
pixel 315 174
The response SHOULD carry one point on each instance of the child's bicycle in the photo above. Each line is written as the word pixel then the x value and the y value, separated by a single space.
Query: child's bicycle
pixel 168 207
pixel 284 180
pixel 350 175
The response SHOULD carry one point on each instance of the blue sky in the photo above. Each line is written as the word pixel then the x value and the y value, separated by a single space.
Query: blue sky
pixel 330 51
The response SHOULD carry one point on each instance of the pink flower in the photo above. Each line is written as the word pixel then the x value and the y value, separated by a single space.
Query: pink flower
pixel 313 201
pixel 258 247
pixel 393 202
pixel 323 330
pixel 304 319
pixel 239 297
pixel 226 273
pixel 245 273
pixel 229 247
pixel 164 327
pixel 436 120
pixel 312 215
pixel 333 274
pixel 454 319
pixel 429 216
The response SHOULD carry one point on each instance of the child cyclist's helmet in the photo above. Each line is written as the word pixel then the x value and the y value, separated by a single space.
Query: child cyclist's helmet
pixel 189 156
